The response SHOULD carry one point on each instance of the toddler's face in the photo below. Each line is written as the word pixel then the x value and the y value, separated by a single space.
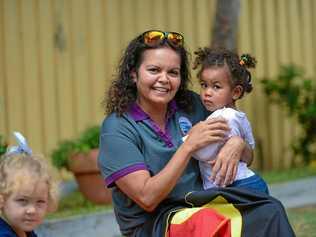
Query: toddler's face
pixel 216 88
pixel 25 208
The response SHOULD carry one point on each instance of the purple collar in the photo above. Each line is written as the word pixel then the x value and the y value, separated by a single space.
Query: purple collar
pixel 136 112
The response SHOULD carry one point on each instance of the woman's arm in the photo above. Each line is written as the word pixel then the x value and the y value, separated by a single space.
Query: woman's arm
pixel 225 166
pixel 148 191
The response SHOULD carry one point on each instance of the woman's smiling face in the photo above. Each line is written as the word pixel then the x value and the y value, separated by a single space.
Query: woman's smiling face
pixel 158 78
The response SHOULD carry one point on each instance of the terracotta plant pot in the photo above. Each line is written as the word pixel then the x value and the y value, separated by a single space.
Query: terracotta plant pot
pixel 88 177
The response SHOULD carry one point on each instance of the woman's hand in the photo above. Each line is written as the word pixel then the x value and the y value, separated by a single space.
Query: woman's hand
pixel 206 132
pixel 225 166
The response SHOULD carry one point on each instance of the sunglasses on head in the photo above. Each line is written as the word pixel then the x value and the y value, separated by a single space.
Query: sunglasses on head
pixel 155 37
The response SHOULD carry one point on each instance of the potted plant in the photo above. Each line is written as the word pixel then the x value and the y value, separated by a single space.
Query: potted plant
pixel 3 146
pixel 79 156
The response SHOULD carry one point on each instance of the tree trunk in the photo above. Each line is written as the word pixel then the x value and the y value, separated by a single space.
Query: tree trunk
pixel 226 24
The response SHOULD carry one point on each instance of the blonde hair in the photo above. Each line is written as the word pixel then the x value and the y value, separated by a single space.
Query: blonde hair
pixel 19 169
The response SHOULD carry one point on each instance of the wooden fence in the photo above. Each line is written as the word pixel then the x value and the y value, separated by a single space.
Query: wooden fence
pixel 58 57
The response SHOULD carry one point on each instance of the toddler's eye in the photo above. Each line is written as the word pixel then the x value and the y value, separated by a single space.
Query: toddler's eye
pixel 41 203
pixel 22 201
pixel 203 85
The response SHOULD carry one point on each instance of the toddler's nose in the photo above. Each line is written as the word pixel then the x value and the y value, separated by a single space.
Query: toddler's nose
pixel 208 92
pixel 30 209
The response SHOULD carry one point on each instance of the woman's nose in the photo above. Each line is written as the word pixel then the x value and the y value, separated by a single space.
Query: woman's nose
pixel 164 78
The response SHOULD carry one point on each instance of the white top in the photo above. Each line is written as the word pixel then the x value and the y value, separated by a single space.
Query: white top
pixel 239 126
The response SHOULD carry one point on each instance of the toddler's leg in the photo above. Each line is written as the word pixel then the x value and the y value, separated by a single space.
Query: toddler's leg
pixel 254 182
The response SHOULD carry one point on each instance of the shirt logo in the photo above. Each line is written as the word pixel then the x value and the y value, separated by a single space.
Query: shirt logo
pixel 185 125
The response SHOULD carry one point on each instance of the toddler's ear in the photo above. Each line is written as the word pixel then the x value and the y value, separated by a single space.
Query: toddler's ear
pixel 237 92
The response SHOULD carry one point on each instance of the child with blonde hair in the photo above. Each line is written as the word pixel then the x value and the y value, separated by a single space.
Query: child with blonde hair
pixel 28 190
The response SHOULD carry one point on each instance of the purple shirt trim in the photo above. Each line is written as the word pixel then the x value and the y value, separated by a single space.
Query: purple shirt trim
pixel 172 108
pixel 138 114
pixel 109 181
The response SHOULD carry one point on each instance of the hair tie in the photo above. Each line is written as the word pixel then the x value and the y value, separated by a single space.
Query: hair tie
pixel 22 146
pixel 243 60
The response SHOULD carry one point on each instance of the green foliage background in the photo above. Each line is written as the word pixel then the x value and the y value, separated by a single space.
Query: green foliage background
pixel 297 94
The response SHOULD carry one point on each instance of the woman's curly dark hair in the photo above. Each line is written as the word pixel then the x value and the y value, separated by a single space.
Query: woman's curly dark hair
pixel 219 57
pixel 123 92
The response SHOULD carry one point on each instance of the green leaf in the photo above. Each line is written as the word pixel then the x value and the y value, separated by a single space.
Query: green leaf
pixel 87 140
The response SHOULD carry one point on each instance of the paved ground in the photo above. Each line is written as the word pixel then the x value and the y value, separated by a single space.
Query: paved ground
pixel 292 194
pixel 296 194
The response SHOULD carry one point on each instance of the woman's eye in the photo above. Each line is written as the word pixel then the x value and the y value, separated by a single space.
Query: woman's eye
pixel 174 73
pixel 153 70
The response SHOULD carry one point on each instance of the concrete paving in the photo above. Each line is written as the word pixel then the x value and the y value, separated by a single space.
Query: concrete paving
pixel 292 194
pixel 297 193
pixel 94 225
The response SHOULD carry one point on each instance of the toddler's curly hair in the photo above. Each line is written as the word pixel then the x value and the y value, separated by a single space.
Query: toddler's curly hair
pixel 220 57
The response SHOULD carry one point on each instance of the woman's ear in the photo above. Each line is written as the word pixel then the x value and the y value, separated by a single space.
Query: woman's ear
pixel 134 76
pixel 237 92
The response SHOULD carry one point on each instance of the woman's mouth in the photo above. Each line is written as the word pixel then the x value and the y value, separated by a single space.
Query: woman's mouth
pixel 161 89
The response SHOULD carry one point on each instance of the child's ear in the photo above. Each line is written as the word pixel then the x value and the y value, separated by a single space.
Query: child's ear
pixel 1 201
pixel 237 92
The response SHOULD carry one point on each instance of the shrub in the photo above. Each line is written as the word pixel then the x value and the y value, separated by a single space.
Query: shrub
pixel 298 94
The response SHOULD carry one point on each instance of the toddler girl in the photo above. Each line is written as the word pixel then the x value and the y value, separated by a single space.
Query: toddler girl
pixel 27 191
pixel 224 79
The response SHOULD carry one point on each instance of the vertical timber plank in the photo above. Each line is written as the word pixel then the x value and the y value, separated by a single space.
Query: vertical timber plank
pixel 47 74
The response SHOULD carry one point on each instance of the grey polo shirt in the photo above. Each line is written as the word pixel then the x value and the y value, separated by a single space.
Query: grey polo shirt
pixel 134 142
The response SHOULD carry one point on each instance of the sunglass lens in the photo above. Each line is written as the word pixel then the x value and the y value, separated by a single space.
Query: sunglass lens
pixel 175 38
pixel 153 37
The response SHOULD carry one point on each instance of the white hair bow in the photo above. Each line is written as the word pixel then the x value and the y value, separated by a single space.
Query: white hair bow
pixel 22 146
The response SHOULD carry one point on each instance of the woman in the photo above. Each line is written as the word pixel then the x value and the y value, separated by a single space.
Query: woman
pixel 142 156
